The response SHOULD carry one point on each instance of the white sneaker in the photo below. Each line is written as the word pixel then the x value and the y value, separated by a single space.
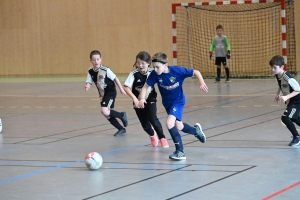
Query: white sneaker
pixel 0 126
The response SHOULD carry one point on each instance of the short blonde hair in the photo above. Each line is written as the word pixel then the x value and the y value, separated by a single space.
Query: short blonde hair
pixel 160 57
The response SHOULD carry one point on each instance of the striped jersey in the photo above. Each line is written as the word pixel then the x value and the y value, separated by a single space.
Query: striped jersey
pixel 287 85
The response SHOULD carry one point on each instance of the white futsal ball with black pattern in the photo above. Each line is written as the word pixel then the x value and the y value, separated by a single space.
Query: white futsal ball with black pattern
pixel 93 160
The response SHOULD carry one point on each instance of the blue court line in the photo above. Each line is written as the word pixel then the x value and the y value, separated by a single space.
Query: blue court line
pixel 103 155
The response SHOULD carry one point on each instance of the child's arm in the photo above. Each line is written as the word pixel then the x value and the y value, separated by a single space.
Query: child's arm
pixel 117 81
pixel 203 86
pixel 228 48
pixel 277 96
pixel 285 98
pixel 133 97
pixel 142 96
pixel 88 82
pixel 211 48
pixel 87 86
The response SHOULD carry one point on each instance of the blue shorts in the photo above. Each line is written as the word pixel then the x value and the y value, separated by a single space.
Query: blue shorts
pixel 175 110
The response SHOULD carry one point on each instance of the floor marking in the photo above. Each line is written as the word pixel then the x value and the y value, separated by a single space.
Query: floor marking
pixel 65 107
pixel 92 107
pixel 78 107
pixel 25 107
pixel 274 105
pixel 257 105
pixel 12 107
pixel 282 191
pixel 242 106
pixel 52 107
pixel 210 106
pixel 39 107
pixel 225 106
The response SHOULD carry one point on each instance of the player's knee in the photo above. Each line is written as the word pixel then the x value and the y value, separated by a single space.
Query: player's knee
pixel 170 125
pixel 105 112
pixel 284 119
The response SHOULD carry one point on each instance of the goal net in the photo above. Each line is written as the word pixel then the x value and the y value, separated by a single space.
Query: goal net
pixel 257 30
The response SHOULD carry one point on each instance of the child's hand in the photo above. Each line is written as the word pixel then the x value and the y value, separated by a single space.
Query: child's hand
pixel 203 87
pixel 228 55
pixel 142 103
pixel 87 87
pixel 277 99
pixel 123 92
pixel 283 98
pixel 136 103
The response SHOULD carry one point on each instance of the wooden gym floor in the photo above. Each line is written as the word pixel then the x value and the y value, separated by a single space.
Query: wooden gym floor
pixel 50 124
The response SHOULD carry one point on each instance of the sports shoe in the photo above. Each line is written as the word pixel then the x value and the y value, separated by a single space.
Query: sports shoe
pixel 154 139
pixel 295 141
pixel 217 80
pixel 120 132
pixel 0 126
pixel 227 80
pixel 178 155
pixel 164 143
pixel 199 133
pixel 124 119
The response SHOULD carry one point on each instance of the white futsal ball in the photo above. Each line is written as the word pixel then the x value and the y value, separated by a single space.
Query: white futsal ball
pixel 93 160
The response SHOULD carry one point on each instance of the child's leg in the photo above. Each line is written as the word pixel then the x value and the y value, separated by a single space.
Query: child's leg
pixel 227 71
pixel 151 113
pixel 218 72
pixel 297 121
pixel 143 118
pixel 290 125
pixel 187 128
pixel 176 137
pixel 106 112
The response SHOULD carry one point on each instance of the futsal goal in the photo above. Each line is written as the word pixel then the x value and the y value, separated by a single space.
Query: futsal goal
pixel 257 30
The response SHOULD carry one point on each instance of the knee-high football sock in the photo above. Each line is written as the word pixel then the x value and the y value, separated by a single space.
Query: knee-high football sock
pixel 227 72
pixel 115 123
pixel 218 73
pixel 116 114
pixel 188 129
pixel 176 137
pixel 290 125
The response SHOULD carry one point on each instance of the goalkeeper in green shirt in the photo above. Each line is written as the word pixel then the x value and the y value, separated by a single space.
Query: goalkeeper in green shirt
pixel 221 46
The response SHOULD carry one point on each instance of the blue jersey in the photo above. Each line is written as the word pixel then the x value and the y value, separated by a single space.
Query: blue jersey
pixel 170 84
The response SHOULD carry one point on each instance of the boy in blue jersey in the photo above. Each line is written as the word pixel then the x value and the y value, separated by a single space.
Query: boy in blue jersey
pixel 169 80
pixel 290 90
pixel 221 46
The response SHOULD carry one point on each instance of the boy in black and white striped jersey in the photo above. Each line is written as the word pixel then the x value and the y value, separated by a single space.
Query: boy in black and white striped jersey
pixel 105 81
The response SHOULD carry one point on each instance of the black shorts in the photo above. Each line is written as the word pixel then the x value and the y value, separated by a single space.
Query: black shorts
pixel 292 111
pixel 108 101
pixel 221 60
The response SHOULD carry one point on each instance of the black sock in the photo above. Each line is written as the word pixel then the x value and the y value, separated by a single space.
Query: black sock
pixel 176 137
pixel 227 72
pixel 290 125
pixel 115 123
pixel 115 114
pixel 188 129
pixel 218 73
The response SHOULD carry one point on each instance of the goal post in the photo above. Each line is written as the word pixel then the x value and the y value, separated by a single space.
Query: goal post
pixel 256 30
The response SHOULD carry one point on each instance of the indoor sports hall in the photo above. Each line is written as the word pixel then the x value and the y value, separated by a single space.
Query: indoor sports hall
pixel 49 123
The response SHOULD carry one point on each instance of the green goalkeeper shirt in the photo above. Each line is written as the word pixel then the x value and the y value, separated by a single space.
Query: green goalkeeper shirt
pixel 220 45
